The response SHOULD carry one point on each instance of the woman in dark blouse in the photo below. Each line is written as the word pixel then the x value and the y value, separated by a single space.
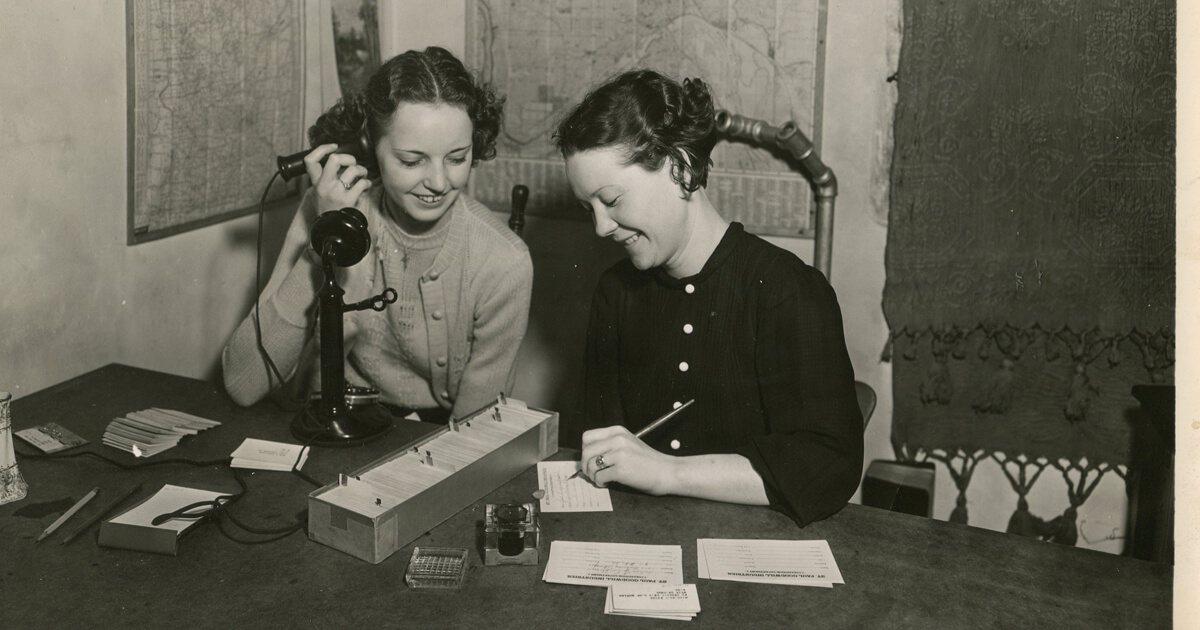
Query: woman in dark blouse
pixel 702 310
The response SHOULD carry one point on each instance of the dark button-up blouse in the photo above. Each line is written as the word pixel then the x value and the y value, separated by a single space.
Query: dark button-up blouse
pixel 756 339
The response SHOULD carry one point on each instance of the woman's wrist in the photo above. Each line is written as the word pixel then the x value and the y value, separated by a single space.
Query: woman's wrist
pixel 671 477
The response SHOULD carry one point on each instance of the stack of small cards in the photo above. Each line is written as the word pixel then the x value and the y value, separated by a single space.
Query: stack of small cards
pixel 795 562
pixel 152 431
pixel 679 602
pixel 264 455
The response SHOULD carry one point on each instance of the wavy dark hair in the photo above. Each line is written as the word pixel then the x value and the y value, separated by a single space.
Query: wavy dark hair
pixel 652 117
pixel 433 76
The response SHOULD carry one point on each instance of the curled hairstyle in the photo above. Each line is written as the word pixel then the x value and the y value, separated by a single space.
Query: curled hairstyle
pixel 433 76
pixel 651 117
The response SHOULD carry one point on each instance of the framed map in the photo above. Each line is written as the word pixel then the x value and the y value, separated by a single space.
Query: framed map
pixel 215 91
pixel 761 58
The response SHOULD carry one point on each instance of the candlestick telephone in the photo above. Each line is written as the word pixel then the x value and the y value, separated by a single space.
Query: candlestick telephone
pixel 342 240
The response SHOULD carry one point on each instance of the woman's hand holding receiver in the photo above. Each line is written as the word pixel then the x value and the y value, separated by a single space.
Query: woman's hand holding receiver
pixel 339 182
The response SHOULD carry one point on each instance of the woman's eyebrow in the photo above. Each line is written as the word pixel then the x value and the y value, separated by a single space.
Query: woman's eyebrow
pixel 416 152
pixel 597 191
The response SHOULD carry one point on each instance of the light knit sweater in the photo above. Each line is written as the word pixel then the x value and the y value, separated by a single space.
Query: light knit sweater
pixel 473 304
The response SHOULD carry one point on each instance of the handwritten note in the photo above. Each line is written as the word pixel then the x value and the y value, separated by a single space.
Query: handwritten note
pixel 680 602
pixel 796 562
pixel 564 494
pixel 601 564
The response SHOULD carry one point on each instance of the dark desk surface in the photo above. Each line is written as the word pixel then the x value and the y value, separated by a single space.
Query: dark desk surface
pixel 900 570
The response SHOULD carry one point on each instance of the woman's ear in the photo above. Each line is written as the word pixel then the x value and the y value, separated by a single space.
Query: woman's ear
pixel 681 172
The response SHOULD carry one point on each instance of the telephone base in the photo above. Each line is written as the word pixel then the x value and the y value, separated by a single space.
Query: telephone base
pixel 350 427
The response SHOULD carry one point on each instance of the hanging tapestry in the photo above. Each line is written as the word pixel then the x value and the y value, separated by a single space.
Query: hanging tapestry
pixel 1031 238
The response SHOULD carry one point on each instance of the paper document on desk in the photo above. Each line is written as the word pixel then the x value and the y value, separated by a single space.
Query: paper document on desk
pixel 166 500
pixel 601 564
pixel 680 602
pixel 796 562
pixel 266 455
pixel 135 529
pixel 564 494
pixel 51 437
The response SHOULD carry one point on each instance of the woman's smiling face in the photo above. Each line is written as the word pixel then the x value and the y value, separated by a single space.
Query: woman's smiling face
pixel 425 161
pixel 642 210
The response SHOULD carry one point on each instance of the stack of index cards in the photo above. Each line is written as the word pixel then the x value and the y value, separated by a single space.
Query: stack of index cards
pixel 674 601
pixel 266 455
pixel 152 431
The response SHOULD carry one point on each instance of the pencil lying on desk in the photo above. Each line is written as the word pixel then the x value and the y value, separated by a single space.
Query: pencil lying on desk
pixel 68 514
pixel 101 514
pixel 644 431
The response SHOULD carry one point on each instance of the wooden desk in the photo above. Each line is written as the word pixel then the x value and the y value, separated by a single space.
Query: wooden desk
pixel 900 570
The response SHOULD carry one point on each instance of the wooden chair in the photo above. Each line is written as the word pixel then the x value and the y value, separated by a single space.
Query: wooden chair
pixel 866 401
pixel 516 213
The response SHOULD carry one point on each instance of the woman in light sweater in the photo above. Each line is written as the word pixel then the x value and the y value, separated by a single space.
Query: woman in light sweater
pixel 448 345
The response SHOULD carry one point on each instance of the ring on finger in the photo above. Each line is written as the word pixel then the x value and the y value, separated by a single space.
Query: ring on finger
pixel 600 462
pixel 347 185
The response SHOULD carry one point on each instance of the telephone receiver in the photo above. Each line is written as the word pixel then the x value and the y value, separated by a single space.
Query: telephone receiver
pixel 291 166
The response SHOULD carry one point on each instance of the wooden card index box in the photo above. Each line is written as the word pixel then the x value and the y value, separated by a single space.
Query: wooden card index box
pixel 373 512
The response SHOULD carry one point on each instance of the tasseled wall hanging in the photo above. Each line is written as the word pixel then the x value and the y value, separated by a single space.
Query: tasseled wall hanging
pixel 961 466
pixel 1031 237
pixel 1022 522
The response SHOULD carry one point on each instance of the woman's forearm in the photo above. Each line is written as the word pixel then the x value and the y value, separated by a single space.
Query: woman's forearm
pixel 285 328
pixel 718 477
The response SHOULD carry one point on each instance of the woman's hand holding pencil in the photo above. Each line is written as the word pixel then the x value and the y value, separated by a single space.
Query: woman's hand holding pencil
pixel 604 448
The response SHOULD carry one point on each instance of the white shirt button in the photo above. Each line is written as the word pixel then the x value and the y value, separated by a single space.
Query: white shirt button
pixel 687 329
pixel 441 361
pixel 683 366
pixel 433 275
pixel 676 405
pixel 690 288
pixel 675 445
pixel 437 314
pixel 445 394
